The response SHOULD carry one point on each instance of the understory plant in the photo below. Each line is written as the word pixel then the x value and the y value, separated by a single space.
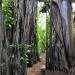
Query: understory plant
pixel 23 50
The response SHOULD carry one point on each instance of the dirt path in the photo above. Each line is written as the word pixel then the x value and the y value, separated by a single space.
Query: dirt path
pixel 36 69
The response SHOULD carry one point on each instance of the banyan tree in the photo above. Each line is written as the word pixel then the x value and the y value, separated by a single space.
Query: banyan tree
pixel 60 49
pixel 13 40
pixel 61 52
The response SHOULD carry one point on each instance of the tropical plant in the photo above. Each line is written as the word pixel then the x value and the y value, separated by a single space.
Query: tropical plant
pixel 8 12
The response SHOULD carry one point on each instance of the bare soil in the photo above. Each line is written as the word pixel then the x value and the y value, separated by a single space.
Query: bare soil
pixel 36 69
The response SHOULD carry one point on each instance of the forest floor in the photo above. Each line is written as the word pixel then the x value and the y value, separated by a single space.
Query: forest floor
pixel 36 68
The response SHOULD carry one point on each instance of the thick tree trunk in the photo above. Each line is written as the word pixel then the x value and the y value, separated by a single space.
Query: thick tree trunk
pixel 1 34
pixel 66 7
pixel 62 25
pixel 4 67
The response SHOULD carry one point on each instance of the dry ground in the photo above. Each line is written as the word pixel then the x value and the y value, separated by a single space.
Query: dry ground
pixel 36 69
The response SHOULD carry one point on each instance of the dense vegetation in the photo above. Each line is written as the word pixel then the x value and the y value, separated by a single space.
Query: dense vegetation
pixel 41 28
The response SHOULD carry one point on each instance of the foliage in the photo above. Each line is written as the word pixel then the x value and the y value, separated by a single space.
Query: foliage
pixel 12 46
pixel 48 29
pixel 41 28
pixel 41 36
pixel 73 8
pixel 23 49
pixel 8 12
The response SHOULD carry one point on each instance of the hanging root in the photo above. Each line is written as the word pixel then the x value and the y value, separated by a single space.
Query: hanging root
pixel 71 71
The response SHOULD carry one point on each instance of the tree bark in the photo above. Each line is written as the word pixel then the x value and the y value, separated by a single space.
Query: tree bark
pixel 62 25
pixel 1 34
